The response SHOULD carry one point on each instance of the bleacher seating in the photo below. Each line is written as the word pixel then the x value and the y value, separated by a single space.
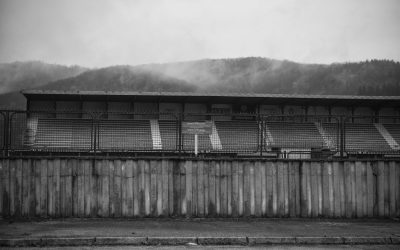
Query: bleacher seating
pixel 125 135
pixel 168 132
pixel 238 135
pixel 63 134
pixel 294 135
pixel 364 137
pixel 394 130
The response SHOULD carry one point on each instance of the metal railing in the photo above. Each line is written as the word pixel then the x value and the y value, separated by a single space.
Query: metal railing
pixel 275 136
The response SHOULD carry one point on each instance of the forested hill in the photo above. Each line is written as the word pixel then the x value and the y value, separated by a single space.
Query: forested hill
pixel 243 75
pixel 262 75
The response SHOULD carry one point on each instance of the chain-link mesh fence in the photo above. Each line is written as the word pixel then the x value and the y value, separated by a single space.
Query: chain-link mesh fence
pixel 239 134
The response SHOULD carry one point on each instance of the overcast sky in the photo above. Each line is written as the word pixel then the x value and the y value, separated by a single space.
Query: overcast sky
pixel 98 33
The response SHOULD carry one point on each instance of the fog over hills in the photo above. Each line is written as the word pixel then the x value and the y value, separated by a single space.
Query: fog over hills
pixel 244 75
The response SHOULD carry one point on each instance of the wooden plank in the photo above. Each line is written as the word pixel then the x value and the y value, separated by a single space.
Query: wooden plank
pixel 342 189
pixel 32 191
pixel 257 189
pixel 211 201
pixel 36 165
pixel 43 188
pixel 106 176
pixel 25 188
pixel 182 171
pixel 235 189
pixel 200 188
pixel 87 187
pixel 127 185
pixel 81 187
pixel 18 188
pixel 285 169
pixel 319 187
pixel 206 181
pixel 99 185
pixel 159 189
pixel 347 189
pixel 336 190
pixel 68 188
pixel 387 189
pixel 246 189
pixel 170 188
pixel 223 190
pixel 380 188
pixel 325 189
pixel 1 187
pixel 6 187
pixel 292 188
pixel 263 189
pixel 135 183
pixel 269 188
pixel 252 189
pixel 153 188
pixel 275 182
pixel 229 186
pixel 63 166
pixel 364 189
pixel 297 187
pixel 75 191
pixel 240 189
pixel 281 189
pixel 188 188
pixel 56 188
pixel 165 187
pixel 217 188
pixel 50 189
pixel 147 188
pixel 195 188
pixel 176 188
pixel 12 169
pixel 370 190
pixel 393 189
pixel 358 196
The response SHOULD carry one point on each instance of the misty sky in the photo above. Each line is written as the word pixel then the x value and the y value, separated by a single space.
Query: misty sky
pixel 98 33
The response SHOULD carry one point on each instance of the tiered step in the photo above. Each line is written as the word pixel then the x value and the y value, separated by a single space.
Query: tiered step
pixel 364 138
pixel 238 135
pixel 168 132
pixel 294 135
pixel 125 135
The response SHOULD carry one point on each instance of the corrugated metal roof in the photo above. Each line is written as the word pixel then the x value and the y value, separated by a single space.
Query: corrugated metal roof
pixel 204 94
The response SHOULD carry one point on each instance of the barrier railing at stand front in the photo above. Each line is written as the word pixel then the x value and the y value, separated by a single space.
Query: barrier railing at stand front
pixel 250 135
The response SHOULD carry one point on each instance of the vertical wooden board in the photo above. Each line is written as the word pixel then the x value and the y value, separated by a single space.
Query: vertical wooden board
pixel 56 187
pixel 235 188
pixel 99 185
pixel 286 187
pixel 12 180
pixel 43 188
pixel 5 194
pixel 63 165
pixel 280 189
pixel 263 189
pixel 240 188
pixel 303 189
pixel 127 189
pixel 106 177
pixel 75 194
pixel 94 176
pixel 200 188
pixel 393 188
pixel 176 188
pixel 159 188
pixel 398 188
pixel 118 188
pixel 50 188
pixel 68 188
pixel 380 188
pixel 206 185
pixel 1 187
pixel 182 193
pixel 336 190
pixel 298 187
pixel 358 196
pixel 87 186
pixel 25 188
pixel 81 187
pixel 353 189
pixel 147 188
pixel 170 187
pixel 269 188
pixel 135 183
pixel 18 188
pixel 32 187
pixel 364 189
pixel 195 188
pixel 153 188
pixel 370 190
pixel 165 188
pixel 387 189
pixel 218 188
pixel 325 189
pixel 331 190
pixel 141 177
pixel 347 188
pixel 257 189
pixel 188 165
pixel 223 189
pixel 246 189
pixel 211 201
pixel 229 187
pixel 111 164
pixel 252 189
pixel 342 189
pixel 319 186
pixel 292 188
pixel 309 198
pixel 275 191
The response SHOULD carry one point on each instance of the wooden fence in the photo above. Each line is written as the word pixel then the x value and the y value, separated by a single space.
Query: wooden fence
pixel 73 187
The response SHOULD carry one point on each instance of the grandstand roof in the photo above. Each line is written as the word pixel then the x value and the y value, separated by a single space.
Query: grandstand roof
pixel 213 97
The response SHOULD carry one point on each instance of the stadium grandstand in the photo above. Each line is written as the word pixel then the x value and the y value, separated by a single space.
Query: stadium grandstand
pixel 250 125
